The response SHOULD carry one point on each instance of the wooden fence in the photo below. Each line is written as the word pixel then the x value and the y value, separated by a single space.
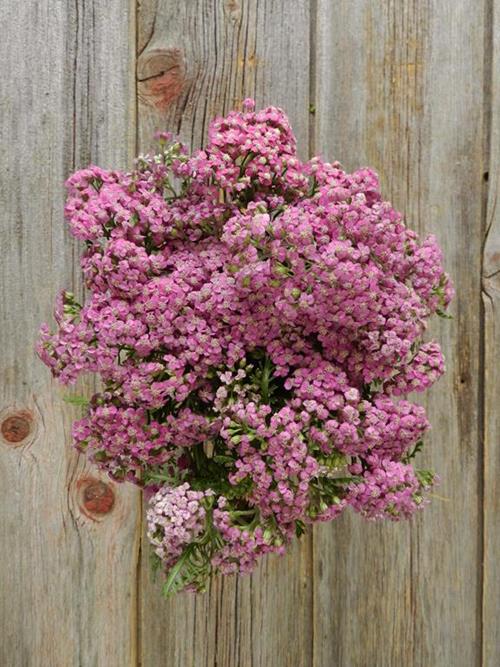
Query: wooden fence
pixel 411 87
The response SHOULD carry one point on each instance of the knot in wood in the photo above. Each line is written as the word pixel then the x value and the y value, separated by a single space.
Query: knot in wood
pixel 161 76
pixel 97 497
pixel 17 427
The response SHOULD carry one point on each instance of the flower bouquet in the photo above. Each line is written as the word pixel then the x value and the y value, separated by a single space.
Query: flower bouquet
pixel 255 322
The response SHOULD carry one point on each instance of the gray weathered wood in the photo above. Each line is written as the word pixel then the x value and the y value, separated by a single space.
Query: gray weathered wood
pixel 410 87
pixel 491 301
pixel 399 86
pixel 200 59
pixel 67 580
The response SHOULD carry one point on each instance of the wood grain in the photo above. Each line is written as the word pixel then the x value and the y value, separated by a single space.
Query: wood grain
pixel 399 86
pixel 491 301
pixel 410 87
pixel 67 572
pixel 207 57
pixel 201 58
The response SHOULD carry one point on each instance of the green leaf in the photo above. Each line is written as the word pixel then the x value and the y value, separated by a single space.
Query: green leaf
pixel 353 479
pixel 76 400
pixel 175 580
pixel 441 313
pixel 221 458
pixel 425 477
pixel 300 528
pixel 410 455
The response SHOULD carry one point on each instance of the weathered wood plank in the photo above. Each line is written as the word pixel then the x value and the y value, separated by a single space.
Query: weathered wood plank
pixel 491 301
pixel 68 575
pixel 199 59
pixel 202 58
pixel 399 86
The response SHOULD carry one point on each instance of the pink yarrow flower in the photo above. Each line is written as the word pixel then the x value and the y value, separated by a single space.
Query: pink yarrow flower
pixel 257 325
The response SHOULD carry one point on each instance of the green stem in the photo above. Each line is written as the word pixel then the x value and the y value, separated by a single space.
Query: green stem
pixel 266 374
pixel 170 583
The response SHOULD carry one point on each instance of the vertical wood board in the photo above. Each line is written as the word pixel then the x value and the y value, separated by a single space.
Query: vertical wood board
pixel 67 579
pixel 197 60
pixel 399 86
pixel 491 301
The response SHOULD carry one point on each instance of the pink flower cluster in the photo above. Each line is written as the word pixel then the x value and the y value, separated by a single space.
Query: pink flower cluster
pixel 176 517
pixel 389 490
pixel 256 323
pixel 242 545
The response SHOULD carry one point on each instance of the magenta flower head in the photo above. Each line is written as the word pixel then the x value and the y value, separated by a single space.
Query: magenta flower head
pixel 257 324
